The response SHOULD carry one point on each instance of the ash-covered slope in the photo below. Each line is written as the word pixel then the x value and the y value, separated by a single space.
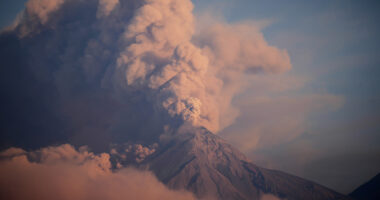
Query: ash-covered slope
pixel 369 190
pixel 203 163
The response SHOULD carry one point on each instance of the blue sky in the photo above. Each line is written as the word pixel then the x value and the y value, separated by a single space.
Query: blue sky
pixel 334 46
pixel 334 50
pixel 9 10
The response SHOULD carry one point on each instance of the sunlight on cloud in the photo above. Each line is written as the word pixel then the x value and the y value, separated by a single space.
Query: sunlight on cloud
pixel 64 173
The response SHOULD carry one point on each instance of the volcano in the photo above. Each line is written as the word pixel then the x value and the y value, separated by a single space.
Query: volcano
pixel 369 190
pixel 201 162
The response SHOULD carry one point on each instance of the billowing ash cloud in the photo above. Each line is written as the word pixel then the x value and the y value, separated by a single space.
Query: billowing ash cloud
pixel 126 154
pixel 192 82
pixel 65 173
pixel 98 69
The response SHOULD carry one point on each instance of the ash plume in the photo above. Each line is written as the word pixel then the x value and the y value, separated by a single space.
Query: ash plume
pixel 94 70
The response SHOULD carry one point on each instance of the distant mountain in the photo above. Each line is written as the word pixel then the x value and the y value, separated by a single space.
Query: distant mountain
pixel 369 190
pixel 206 165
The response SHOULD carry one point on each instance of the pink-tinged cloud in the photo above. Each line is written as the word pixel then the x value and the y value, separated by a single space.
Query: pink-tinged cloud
pixel 105 7
pixel 63 173
pixel 242 47
pixel 275 120
pixel 151 47
pixel 42 8
pixel 196 80
pixel 274 113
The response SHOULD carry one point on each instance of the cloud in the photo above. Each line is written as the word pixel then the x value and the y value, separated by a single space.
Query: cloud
pixel 95 70
pixel 242 47
pixel 62 173
pixel 131 153
pixel 105 7
pixel 42 8
pixel 195 81
pixel 275 112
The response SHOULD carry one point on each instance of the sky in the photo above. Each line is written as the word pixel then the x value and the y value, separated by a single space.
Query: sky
pixel 330 98
pixel 316 116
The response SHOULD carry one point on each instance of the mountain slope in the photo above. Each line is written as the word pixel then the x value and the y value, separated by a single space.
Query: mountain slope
pixel 369 190
pixel 203 163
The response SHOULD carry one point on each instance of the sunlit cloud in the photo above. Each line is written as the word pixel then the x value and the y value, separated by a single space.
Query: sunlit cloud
pixel 62 172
